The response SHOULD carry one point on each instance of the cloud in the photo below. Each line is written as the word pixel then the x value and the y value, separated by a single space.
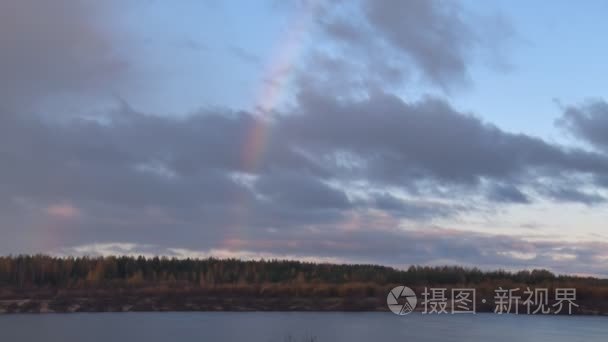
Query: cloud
pixel 414 209
pixel 508 194
pixel 588 122
pixel 63 211
pixel 432 33
pixel 331 165
pixel 390 141
pixel 55 47
pixel 392 41
pixel 301 191
pixel 573 195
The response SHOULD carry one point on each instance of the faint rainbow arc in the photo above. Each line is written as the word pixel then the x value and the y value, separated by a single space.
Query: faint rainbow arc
pixel 257 137
pixel 273 88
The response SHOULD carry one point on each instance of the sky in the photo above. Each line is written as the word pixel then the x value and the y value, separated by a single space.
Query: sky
pixel 392 132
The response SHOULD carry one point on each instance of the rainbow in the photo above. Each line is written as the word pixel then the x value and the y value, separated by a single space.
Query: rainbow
pixel 274 87
pixel 271 93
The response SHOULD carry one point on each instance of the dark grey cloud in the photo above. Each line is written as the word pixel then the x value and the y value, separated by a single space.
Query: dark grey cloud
pixel 562 194
pixel 301 191
pixel 394 142
pixel 55 47
pixel 432 33
pixel 393 41
pixel 588 122
pixel 419 210
pixel 129 176
pixel 106 174
pixel 507 193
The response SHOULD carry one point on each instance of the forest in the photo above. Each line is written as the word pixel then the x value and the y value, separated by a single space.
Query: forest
pixel 40 283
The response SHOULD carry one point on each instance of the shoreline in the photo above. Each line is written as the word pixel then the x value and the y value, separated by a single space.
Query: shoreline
pixel 233 304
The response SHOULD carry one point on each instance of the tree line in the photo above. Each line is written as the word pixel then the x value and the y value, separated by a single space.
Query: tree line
pixel 41 271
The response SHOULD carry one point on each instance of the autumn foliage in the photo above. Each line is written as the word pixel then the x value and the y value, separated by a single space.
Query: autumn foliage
pixel 209 284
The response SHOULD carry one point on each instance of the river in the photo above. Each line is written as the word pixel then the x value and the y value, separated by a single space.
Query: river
pixel 278 327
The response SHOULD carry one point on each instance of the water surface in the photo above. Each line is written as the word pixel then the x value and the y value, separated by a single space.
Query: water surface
pixel 271 327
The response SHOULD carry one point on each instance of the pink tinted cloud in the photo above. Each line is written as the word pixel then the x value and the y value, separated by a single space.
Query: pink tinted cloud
pixel 63 211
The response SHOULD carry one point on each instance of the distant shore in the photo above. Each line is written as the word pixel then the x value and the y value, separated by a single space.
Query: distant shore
pixel 215 304
pixel 190 304
pixel 44 284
